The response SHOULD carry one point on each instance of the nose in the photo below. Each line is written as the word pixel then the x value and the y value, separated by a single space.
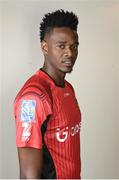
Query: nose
pixel 68 52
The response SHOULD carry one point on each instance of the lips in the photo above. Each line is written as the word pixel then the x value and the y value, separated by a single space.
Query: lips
pixel 67 62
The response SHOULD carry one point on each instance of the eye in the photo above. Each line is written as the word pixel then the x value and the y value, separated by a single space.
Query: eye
pixel 61 46
pixel 75 47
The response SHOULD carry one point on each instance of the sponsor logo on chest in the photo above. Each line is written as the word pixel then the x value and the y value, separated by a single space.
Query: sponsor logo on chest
pixel 62 135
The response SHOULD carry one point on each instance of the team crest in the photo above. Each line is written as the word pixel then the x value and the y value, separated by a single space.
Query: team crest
pixel 28 110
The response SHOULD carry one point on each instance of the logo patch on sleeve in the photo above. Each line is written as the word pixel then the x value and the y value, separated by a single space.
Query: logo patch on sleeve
pixel 28 110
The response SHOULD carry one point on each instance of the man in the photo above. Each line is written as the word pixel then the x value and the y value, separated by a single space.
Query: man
pixel 46 111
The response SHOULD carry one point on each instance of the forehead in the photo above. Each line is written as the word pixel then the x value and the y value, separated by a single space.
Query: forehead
pixel 63 34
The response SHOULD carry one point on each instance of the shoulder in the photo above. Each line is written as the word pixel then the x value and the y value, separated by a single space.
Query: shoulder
pixel 36 86
pixel 69 85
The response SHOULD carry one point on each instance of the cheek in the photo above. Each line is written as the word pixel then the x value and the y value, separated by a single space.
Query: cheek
pixel 55 53
pixel 76 54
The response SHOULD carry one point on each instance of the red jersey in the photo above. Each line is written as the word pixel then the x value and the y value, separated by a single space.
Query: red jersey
pixel 48 117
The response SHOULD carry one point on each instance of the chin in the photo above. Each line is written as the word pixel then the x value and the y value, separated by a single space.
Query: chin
pixel 67 70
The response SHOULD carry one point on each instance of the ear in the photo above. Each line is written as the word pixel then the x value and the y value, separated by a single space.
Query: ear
pixel 44 47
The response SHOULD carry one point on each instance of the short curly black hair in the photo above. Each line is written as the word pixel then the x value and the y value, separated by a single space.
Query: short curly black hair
pixel 58 18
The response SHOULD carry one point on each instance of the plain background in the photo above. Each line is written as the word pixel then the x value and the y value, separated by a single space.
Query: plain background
pixel 95 78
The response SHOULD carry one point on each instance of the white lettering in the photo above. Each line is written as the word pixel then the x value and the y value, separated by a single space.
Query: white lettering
pixel 62 136
pixel 26 131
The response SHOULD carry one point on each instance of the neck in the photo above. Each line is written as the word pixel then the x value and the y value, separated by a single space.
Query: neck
pixel 57 76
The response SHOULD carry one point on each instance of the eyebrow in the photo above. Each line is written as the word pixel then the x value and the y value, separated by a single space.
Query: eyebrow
pixel 64 42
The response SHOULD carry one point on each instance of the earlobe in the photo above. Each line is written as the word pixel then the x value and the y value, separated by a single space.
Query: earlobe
pixel 44 47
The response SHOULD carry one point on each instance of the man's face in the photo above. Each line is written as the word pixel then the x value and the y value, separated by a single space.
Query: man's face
pixel 61 49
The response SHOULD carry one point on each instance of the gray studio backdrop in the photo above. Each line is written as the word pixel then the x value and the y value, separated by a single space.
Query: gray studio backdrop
pixel 95 78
